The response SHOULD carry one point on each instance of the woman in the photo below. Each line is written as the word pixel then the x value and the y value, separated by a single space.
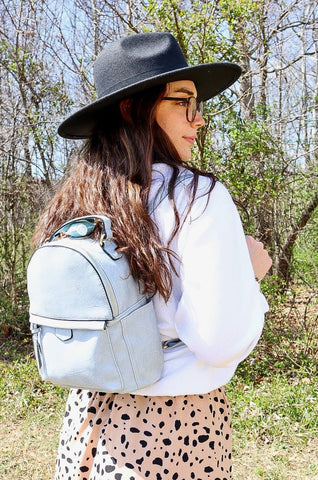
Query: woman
pixel 183 237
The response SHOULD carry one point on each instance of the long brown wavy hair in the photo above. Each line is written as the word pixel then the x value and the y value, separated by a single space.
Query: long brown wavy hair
pixel 111 176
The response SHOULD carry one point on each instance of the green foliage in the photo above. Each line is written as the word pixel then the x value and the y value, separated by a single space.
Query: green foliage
pixel 305 255
pixel 289 343
pixel 245 156
pixel 198 29
pixel 14 314
pixel 238 11
pixel 17 212
pixel 250 166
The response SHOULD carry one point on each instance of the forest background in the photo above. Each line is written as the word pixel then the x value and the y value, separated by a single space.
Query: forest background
pixel 260 139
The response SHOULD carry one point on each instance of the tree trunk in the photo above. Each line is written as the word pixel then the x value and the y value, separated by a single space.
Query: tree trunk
pixel 285 257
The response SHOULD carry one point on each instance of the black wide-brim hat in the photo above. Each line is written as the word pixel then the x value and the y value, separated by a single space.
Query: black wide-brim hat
pixel 138 62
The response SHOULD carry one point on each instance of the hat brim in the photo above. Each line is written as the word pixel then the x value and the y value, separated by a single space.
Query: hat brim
pixel 210 79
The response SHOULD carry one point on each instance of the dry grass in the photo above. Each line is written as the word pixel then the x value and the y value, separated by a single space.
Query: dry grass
pixel 277 461
pixel 28 449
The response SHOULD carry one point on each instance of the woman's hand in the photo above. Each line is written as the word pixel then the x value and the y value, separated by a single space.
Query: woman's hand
pixel 260 258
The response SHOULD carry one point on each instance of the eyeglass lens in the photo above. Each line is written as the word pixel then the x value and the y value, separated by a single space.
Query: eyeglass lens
pixel 193 107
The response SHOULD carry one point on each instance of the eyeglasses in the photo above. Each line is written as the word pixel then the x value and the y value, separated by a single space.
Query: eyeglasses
pixel 193 106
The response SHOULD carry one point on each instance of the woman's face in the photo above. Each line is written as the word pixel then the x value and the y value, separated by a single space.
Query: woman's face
pixel 171 117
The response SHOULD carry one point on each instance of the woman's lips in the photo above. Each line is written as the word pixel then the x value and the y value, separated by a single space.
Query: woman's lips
pixel 190 140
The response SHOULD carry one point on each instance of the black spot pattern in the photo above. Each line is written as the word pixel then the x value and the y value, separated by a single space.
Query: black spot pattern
pixel 131 437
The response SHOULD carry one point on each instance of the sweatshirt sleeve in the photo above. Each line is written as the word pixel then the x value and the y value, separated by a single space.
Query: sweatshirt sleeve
pixel 220 314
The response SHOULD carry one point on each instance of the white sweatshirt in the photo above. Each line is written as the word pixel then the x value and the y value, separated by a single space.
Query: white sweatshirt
pixel 216 307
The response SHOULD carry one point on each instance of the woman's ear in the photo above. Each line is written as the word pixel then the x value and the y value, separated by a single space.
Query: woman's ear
pixel 125 109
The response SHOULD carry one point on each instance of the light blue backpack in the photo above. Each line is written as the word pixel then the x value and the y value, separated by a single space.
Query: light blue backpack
pixel 91 326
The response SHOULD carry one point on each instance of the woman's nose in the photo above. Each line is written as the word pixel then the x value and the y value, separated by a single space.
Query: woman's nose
pixel 198 121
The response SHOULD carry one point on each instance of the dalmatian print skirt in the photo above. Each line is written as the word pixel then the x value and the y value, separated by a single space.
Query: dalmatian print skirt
pixel 133 437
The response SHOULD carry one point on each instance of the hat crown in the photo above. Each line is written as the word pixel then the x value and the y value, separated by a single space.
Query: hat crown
pixel 136 58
